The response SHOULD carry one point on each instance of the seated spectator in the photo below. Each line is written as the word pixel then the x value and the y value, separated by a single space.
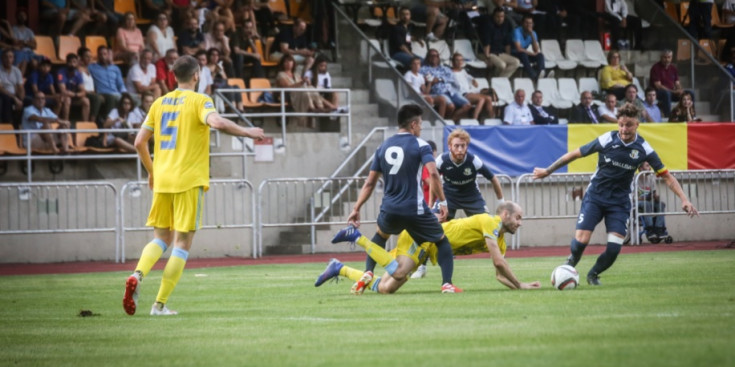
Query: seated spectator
pixel 650 106
pixel 160 37
pixel 108 80
pixel 319 77
pixel 510 7
pixel 58 13
pixel 71 86
pixel 728 12
pixel 468 88
pixel 700 19
pixel 517 112
pixel 98 22
pixel 523 37
pixel 496 36
pixel 307 101
pixel 443 84
pixel 205 75
pixel 219 76
pixel 95 100
pixel 107 7
pixel 137 117
pixel 293 41
pixel 216 38
pixel 165 72
pixel 428 12
pixel 244 50
pixel 399 41
pixel 616 15
pixel 23 41
pixel 585 111
pixel 12 92
pixel 191 39
pixel 615 76
pixel 42 80
pixel 422 86
pixel 664 77
pixel 557 19
pixel 542 115
pixel 609 111
pixel 118 119
pixel 142 76
pixel 153 8
pixel 245 12
pixel 631 96
pixel 37 117
pixel 222 13
pixel 128 40
pixel 684 110
pixel 650 202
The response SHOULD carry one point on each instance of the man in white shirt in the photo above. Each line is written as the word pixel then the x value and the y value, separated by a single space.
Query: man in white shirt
pixel 205 75
pixel 11 87
pixel 609 111
pixel 38 117
pixel 142 76
pixel 517 112
pixel 137 116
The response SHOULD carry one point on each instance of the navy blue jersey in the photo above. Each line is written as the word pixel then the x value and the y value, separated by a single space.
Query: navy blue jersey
pixel 616 166
pixel 400 160
pixel 460 181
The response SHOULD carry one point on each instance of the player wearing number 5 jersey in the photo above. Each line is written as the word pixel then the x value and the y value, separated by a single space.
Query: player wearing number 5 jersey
pixel 179 124
pixel 400 160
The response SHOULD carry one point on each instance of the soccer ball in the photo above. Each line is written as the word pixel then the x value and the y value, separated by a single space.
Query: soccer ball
pixel 564 277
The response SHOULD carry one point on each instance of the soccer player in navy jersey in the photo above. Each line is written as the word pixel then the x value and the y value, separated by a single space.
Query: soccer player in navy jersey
pixel 608 194
pixel 400 160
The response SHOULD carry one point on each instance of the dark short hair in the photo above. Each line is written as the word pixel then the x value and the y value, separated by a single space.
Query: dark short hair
pixel 71 56
pixel 631 85
pixel 82 50
pixel 498 9
pixel 650 89
pixel 185 67
pixel 200 53
pixel 8 50
pixel 100 48
pixel 407 114
pixel 432 145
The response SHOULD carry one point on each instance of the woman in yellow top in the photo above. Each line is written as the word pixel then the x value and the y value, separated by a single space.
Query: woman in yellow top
pixel 615 76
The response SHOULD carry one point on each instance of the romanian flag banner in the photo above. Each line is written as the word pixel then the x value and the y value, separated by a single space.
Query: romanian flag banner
pixel 515 150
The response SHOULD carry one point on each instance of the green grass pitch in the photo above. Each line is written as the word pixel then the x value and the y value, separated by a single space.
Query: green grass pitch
pixel 654 309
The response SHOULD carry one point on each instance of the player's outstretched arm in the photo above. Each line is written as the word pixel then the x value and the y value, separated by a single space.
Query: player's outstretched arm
pixel 365 192
pixel 502 269
pixel 539 173
pixel 220 123
pixel 674 185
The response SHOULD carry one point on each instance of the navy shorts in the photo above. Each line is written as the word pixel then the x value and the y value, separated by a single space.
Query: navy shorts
pixel 422 228
pixel 592 212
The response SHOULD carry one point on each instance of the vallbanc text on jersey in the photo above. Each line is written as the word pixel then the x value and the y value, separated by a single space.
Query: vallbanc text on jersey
pixel 168 101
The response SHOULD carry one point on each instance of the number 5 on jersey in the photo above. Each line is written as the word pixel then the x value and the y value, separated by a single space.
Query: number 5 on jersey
pixel 394 157
pixel 168 131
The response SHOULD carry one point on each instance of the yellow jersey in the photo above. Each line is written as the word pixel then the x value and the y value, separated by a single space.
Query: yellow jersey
pixel 178 121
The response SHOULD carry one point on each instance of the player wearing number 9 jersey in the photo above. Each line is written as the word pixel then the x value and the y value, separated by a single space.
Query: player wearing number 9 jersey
pixel 400 160
pixel 179 124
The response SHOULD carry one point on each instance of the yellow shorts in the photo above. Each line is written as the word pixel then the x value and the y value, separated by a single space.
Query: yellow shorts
pixel 181 211
pixel 418 253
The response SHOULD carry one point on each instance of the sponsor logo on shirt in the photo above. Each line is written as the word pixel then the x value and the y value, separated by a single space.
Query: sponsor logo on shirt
pixel 208 105
pixel 634 154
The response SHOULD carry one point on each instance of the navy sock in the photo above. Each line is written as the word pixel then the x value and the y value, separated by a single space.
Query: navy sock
pixel 369 262
pixel 607 258
pixel 445 257
pixel 577 249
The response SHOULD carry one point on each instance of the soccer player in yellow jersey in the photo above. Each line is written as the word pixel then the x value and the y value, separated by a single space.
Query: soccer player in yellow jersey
pixel 475 234
pixel 179 124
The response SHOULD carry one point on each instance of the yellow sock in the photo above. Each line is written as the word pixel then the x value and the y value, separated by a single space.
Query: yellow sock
pixel 354 275
pixel 171 274
pixel 377 253
pixel 150 255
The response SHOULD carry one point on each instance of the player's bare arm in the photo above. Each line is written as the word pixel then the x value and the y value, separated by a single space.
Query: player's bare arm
pixel 228 126
pixel 365 192
pixel 497 188
pixel 437 191
pixel 674 185
pixel 503 273
pixel 539 173
pixel 141 146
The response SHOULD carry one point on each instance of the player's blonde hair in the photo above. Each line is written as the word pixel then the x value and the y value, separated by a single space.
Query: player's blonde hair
pixel 459 133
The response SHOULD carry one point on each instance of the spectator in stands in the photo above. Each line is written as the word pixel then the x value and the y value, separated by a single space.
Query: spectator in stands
pixel 42 80
pixel 631 96
pixel 244 50
pixel 422 85
pixel 128 40
pixel 510 7
pixel 468 88
pixel 191 39
pixel 12 92
pixel 219 76
pixel 496 36
pixel 160 37
pixel 138 115
pixel 307 101
pixel 164 71
pixel 609 111
pixel 616 15
pixel 684 110
pixel 523 37
pixel 428 12
pixel 99 22
pixel 108 81
pixel 542 115
pixel 585 111
pixel 142 76
pixel 95 100
pixel 71 86
pixel 58 13
pixel 558 18
pixel 107 7
pixel 23 41
pixel 399 40
pixel 118 119
pixel 615 76
pixel 153 8
pixel 728 12
pixel 205 75
pixel 319 77
pixel 216 38
pixel 444 85
pixel 293 41
pixel 37 117
pixel 664 77
pixel 700 18
pixel 651 106
pixel 517 112
pixel 246 12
